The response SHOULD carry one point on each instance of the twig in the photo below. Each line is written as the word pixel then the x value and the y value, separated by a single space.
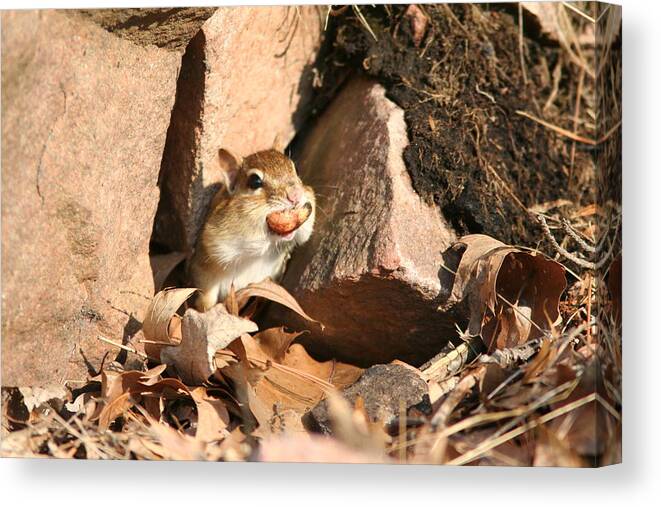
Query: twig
pixel 447 364
pixel 363 21
pixel 610 132
pixel 559 130
pixel 462 389
pixel 126 348
pixel 508 357
pixel 578 11
pixel 516 309
pixel 567 255
pixel 574 235
pixel 451 15
pixel 557 75
pixel 594 266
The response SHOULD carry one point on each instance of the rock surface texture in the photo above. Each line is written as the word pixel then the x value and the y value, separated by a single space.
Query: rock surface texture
pixel 84 121
pixel 245 82
pixel 372 270
pixel 382 388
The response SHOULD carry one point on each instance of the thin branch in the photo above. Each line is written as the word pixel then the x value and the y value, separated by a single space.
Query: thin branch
pixel 564 132
pixel 578 11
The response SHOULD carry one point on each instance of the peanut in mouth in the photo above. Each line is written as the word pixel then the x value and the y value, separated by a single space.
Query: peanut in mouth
pixel 287 221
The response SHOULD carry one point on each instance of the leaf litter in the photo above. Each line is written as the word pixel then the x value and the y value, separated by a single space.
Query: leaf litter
pixel 532 377
pixel 218 388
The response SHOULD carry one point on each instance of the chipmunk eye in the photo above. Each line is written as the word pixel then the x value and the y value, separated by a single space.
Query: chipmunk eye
pixel 255 181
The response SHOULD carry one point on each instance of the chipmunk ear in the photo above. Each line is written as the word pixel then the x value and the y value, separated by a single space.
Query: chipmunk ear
pixel 230 165
pixel 279 144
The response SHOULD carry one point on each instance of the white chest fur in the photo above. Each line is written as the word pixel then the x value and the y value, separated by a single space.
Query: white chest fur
pixel 247 269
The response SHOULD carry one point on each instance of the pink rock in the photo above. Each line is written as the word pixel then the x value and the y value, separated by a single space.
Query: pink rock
pixel 246 80
pixel 84 121
pixel 372 270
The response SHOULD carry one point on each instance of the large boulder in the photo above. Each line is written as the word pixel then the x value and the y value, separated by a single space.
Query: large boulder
pixel 245 83
pixel 372 272
pixel 84 120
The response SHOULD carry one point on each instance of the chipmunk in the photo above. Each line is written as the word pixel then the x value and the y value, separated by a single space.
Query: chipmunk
pixel 262 212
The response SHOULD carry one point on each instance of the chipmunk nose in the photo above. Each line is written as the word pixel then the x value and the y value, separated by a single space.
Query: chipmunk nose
pixel 294 194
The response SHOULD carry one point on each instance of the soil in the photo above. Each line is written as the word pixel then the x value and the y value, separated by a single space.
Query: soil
pixel 461 87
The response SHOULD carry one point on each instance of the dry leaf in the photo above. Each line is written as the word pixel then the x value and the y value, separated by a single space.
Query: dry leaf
pixel 275 341
pixel 512 295
pixel 161 319
pixel 279 382
pixel 34 397
pixel 270 290
pixel 163 265
pixel 551 451
pixel 171 444
pixel 203 334
pixel 212 416
pixel 114 409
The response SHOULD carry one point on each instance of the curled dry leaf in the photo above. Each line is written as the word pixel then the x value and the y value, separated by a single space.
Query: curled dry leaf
pixel 275 341
pixel 270 290
pixel 120 390
pixel 512 295
pixel 202 335
pixel 167 443
pixel 161 321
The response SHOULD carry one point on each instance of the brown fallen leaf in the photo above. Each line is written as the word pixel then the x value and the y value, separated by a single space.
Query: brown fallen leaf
pixel 586 428
pixel 212 416
pixel 511 295
pixel 279 381
pixel 163 265
pixel 161 324
pixel 275 341
pixel 353 426
pixel 270 290
pixel 202 335
pixel 551 451
pixel 114 409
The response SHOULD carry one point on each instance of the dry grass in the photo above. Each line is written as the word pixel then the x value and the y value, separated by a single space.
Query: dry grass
pixel 559 405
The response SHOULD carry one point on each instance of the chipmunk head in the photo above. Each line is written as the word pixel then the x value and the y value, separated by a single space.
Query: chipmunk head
pixel 265 189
